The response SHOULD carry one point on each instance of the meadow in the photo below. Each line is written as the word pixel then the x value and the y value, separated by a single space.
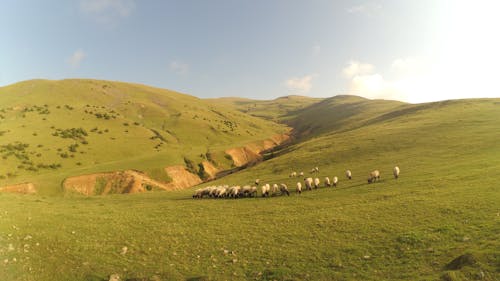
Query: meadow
pixel 444 205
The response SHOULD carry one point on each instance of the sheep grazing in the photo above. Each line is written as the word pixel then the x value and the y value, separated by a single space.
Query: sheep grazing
pixel 265 190
pixel 221 191
pixel 299 188
pixel 301 174
pixel 316 182
pixel 335 181
pixel 395 171
pixel 327 182
pixel 314 170
pixel 249 191
pixel 275 189
pixel 348 174
pixel 293 175
pixel 234 191
pixel 257 181
pixel 308 182
pixel 284 189
pixel 206 191
pixel 374 175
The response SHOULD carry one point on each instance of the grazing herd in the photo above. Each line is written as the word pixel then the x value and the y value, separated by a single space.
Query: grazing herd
pixel 267 190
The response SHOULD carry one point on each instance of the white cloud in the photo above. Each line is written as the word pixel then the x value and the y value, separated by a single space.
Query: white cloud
pixel 76 58
pixel 368 9
pixel 300 84
pixel 107 12
pixel 179 67
pixel 365 82
pixel 355 68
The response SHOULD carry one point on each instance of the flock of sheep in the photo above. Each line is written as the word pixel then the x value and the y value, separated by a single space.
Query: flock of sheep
pixel 236 191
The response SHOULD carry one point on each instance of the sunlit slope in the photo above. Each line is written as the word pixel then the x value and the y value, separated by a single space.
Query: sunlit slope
pixel 338 113
pixel 51 129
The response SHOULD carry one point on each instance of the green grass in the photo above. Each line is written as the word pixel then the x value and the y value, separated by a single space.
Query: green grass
pixel 87 126
pixel 445 204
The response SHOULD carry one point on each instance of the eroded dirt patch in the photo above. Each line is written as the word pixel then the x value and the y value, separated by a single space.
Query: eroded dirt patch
pixel 23 188
pixel 252 151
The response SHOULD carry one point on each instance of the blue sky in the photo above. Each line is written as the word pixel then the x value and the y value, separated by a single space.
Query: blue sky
pixel 413 51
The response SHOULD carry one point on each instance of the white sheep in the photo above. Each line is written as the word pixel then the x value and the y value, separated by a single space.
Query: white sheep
pixel 234 191
pixel 221 191
pixel 265 190
pixel 314 170
pixel 335 181
pixel 293 174
pixel 248 190
pixel 275 189
pixel 327 182
pixel 308 182
pixel 301 174
pixel 299 188
pixel 374 175
pixel 348 174
pixel 257 181
pixel 284 189
pixel 395 171
pixel 316 182
pixel 200 192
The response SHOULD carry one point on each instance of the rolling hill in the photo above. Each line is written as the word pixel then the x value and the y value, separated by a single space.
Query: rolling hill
pixel 50 130
pixel 439 221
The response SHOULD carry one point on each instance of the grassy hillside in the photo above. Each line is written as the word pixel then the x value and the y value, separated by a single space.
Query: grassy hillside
pixel 444 205
pixel 53 129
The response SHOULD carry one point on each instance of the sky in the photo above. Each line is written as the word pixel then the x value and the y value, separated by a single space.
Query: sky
pixel 413 51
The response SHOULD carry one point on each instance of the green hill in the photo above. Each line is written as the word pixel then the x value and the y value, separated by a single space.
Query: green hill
pixel 53 129
pixel 444 206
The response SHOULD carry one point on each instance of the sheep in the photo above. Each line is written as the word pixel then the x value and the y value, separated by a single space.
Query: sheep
pixel 275 189
pixel 374 175
pixel 395 171
pixel 301 174
pixel 284 189
pixel 316 182
pixel 234 191
pixel 299 188
pixel 257 181
pixel 314 170
pixel 308 183
pixel 293 174
pixel 327 182
pixel 335 181
pixel 212 192
pixel 265 190
pixel 248 190
pixel 221 191
pixel 348 174
pixel 200 192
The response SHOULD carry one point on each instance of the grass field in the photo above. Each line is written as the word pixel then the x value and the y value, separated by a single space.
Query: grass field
pixel 444 205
